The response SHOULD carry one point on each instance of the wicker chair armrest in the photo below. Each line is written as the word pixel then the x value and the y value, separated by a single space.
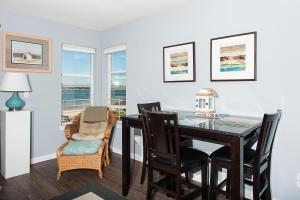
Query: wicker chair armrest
pixel 107 132
pixel 70 129
pixel 112 120
pixel 102 147
pixel 59 150
pixel 76 122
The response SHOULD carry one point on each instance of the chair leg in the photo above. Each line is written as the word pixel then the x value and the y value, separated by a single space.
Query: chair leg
pixel 100 173
pixel 150 180
pixel 228 184
pixel 256 185
pixel 187 177
pixel 213 180
pixel 178 187
pixel 58 175
pixel 144 165
pixel 268 181
pixel 204 181
pixel 107 159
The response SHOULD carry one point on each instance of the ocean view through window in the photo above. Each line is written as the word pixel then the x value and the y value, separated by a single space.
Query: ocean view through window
pixel 117 81
pixel 77 74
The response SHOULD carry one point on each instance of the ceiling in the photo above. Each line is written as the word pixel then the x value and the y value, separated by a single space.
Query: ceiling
pixel 93 14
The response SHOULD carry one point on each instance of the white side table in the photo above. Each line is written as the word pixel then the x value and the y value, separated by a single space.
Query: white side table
pixel 15 142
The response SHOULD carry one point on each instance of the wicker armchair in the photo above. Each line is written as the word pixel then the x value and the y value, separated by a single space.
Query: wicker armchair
pixel 90 161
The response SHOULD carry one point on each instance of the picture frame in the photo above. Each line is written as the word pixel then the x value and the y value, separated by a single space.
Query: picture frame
pixel 26 53
pixel 233 57
pixel 179 63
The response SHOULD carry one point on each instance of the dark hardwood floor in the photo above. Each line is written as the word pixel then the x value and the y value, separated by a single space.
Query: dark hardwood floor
pixel 41 183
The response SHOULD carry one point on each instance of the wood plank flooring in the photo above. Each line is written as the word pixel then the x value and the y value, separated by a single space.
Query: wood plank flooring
pixel 41 183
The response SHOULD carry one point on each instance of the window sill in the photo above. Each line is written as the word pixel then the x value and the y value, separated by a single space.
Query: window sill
pixel 119 123
pixel 62 127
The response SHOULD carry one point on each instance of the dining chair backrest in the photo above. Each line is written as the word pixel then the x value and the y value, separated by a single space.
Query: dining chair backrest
pixel 163 135
pixel 267 135
pixel 154 106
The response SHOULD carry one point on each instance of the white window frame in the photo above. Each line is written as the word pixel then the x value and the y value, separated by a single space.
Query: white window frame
pixel 108 52
pixel 92 51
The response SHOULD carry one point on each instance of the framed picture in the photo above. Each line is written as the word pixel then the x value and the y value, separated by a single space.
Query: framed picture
pixel 233 58
pixel 179 63
pixel 24 53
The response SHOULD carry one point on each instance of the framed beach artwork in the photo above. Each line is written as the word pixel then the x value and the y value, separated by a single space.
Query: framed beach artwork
pixel 179 63
pixel 24 53
pixel 233 58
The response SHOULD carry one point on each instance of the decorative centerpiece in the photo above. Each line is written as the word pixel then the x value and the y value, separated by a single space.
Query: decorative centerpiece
pixel 205 102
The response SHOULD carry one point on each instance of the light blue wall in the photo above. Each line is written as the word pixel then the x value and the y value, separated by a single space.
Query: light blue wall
pixel 45 99
pixel 278 28
pixel 276 23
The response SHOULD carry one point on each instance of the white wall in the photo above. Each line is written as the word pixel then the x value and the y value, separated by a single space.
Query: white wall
pixel 277 25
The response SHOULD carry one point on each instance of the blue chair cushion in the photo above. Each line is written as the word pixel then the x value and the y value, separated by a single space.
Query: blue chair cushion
pixel 81 147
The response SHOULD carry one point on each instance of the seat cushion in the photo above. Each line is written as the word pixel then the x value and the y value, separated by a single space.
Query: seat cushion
pixel 81 147
pixel 191 159
pixel 93 128
pixel 88 136
pixel 223 154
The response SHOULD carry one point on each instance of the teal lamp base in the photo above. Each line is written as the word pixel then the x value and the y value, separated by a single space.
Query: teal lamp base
pixel 15 102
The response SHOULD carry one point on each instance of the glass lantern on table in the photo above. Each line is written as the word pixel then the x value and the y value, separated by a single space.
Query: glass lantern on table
pixel 205 102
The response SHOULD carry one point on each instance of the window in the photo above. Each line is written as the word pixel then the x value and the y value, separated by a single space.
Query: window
pixel 77 79
pixel 117 79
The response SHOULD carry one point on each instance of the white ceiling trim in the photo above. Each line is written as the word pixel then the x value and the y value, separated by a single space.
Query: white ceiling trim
pixel 114 49
pixel 68 47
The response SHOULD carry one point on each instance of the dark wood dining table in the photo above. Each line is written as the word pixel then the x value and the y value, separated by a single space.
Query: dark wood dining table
pixel 233 131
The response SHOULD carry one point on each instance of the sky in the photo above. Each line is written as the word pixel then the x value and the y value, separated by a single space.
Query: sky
pixel 26 47
pixel 76 63
pixel 118 69
pixel 119 61
pixel 79 64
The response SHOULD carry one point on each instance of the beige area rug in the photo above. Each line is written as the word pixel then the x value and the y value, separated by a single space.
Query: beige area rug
pixel 89 196
pixel 91 191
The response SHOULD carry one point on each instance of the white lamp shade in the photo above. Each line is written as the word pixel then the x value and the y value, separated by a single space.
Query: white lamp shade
pixel 15 82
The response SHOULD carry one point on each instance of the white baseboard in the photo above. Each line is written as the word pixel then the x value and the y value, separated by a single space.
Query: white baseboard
pixel 132 155
pixel 42 158
pixel 52 156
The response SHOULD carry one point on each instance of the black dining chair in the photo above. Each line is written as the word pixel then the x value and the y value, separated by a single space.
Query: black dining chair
pixel 257 162
pixel 154 106
pixel 167 156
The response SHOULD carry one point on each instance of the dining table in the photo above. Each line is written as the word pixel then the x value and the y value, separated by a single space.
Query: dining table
pixel 231 130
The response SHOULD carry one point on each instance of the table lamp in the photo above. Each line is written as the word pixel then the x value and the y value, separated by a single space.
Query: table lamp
pixel 15 83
